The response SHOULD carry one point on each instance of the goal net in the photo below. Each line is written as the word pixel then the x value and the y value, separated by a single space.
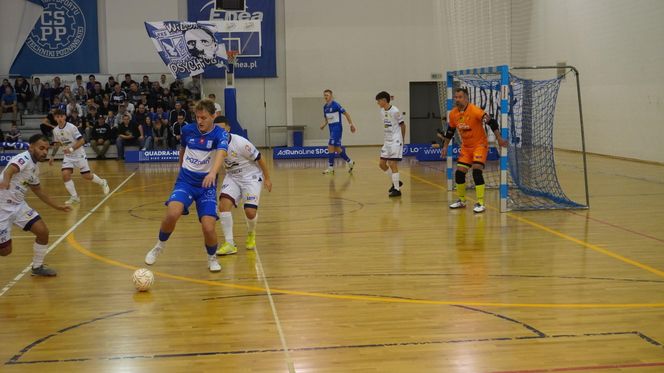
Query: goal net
pixel 525 171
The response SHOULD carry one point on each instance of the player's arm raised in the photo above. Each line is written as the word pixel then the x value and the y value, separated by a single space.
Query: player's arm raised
pixel 350 121
pixel 39 192
pixel 211 177
pixel 493 124
pixel 266 174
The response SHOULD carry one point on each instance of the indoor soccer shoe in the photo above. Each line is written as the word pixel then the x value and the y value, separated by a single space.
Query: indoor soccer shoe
pixel 395 193
pixel 351 165
pixel 328 171
pixel 73 200
pixel 105 187
pixel 459 204
pixel 227 249
pixel 479 208
pixel 151 256
pixel 44 271
pixel 392 186
pixel 213 264
pixel 250 244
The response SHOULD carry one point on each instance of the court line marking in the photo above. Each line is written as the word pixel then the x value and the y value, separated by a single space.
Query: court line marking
pixel 282 337
pixel 71 240
pixel 586 244
pixel 18 277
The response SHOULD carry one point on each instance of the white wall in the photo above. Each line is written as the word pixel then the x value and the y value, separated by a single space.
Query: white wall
pixel 617 46
pixel 358 48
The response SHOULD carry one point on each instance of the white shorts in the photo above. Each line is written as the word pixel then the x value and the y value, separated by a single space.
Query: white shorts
pixel 245 189
pixel 391 151
pixel 20 214
pixel 72 163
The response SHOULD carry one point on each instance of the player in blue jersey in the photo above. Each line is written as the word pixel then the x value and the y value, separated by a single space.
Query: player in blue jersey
pixel 332 112
pixel 203 149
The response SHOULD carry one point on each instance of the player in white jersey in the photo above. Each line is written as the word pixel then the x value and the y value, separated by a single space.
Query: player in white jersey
pixel 392 151
pixel 21 174
pixel 246 173
pixel 68 135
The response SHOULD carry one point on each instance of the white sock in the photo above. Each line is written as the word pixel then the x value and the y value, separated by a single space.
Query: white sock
pixel 97 180
pixel 251 224
pixel 39 251
pixel 227 226
pixel 395 180
pixel 161 244
pixel 69 185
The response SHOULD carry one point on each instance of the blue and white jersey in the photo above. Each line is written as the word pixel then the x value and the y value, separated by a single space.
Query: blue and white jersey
pixel 200 150
pixel 332 113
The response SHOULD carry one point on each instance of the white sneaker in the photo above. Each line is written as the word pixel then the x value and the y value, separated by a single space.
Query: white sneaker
pixel 151 256
pixel 105 187
pixel 72 200
pixel 328 171
pixel 351 165
pixel 459 204
pixel 213 264
pixel 479 208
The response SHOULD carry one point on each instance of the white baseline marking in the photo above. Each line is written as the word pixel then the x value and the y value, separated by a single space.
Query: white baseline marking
pixel 18 277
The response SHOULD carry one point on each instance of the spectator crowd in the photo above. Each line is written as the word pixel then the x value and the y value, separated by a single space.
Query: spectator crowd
pixel 147 114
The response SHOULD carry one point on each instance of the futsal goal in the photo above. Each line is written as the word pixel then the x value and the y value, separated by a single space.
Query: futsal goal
pixel 524 172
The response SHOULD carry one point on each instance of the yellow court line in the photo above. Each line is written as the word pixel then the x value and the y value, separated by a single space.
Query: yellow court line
pixel 586 244
pixel 71 240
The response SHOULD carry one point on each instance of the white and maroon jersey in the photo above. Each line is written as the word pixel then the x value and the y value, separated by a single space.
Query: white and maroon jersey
pixel 391 119
pixel 241 160
pixel 68 136
pixel 27 175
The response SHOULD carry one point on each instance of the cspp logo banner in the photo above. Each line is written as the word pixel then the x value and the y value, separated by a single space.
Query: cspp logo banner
pixel 251 32
pixel 64 40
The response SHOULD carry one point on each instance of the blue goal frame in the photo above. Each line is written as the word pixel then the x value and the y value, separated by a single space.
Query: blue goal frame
pixel 504 72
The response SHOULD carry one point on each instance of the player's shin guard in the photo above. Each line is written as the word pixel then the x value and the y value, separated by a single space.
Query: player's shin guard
pixel 39 252
pixel 227 226
pixel 69 185
pixel 251 223
pixel 478 178
pixel 345 156
pixel 395 181
pixel 97 180
pixel 460 179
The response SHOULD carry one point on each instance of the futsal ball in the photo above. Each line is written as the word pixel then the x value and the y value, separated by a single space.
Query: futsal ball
pixel 143 279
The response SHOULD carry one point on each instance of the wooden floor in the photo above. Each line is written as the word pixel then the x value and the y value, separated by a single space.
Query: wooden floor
pixel 359 282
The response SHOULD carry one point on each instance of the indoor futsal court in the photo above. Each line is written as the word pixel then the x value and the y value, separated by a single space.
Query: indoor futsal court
pixel 309 186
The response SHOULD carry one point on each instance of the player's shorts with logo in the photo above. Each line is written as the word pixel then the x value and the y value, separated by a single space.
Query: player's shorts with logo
pixel 205 198
pixel 476 154
pixel 76 162
pixel 19 214
pixel 392 151
pixel 247 189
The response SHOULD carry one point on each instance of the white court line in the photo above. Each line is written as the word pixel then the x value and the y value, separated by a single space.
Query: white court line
pixel 261 274
pixel 62 237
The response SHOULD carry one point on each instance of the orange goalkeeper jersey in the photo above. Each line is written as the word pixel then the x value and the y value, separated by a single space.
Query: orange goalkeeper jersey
pixel 470 126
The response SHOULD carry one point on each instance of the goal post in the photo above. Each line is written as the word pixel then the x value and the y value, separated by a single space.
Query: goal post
pixel 524 172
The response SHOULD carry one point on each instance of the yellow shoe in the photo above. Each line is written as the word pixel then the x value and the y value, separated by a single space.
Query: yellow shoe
pixel 251 241
pixel 227 249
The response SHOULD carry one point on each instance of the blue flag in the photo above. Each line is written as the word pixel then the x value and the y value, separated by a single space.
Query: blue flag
pixel 187 48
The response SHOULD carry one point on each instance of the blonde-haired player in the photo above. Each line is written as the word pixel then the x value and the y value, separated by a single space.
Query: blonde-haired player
pixel 246 173
pixel 68 135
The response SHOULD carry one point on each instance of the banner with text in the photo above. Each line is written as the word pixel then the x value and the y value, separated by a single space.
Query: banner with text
pixel 250 32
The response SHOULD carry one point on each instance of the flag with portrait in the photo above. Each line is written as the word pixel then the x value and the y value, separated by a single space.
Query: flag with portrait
pixel 187 48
